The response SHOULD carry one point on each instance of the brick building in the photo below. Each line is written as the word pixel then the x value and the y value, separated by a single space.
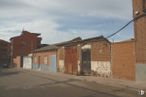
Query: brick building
pixel 23 45
pixel 95 56
pixel 139 8
pixel 75 56
pixel 123 60
pixel 86 56
pixel 47 58
pixel 4 52
pixel 131 64
pixel 44 59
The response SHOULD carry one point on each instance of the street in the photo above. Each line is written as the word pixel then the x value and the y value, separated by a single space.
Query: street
pixel 24 83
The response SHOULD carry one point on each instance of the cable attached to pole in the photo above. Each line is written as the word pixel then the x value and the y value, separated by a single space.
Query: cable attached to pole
pixel 134 19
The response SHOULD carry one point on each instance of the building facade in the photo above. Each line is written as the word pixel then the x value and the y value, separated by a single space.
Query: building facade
pixel 139 8
pixel 45 59
pixel 86 57
pixel 66 54
pixel 23 45
pixel 77 56
pixel 95 56
pixel 123 60
pixel 4 52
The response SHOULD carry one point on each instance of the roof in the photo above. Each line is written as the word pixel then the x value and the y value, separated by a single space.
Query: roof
pixel 96 39
pixel 56 46
pixel 25 32
pixel 125 41
pixel 68 43
pixel 4 41
pixel 77 39
pixel 46 48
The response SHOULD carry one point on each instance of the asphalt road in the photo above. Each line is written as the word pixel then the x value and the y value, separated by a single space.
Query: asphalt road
pixel 21 83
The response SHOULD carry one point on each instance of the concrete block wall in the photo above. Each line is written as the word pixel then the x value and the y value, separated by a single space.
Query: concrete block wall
pixel 141 72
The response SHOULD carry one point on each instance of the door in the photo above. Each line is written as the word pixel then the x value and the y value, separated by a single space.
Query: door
pixel 39 63
pixel 53 67
pixel 21 61
pixel 86 62
pixel 71 60
pixel 27 62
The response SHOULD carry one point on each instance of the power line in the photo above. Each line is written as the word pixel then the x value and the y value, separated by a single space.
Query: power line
pixel 136 18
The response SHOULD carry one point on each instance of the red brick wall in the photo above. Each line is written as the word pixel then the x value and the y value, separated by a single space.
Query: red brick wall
pixel 61 53
pixel 140 32
pixel 42 55
pixel 16 61
pixel 100 51
pixel 123 60
pixel 78 52
pixel 71 60
pixel 4 52
pixel 24 44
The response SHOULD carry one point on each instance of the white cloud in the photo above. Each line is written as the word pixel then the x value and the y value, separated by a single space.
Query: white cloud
pixel 42 16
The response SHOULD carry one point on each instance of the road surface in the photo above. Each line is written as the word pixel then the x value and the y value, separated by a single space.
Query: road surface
pixel 24 83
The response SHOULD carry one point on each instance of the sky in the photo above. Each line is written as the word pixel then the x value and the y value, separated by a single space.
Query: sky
pixel 62 20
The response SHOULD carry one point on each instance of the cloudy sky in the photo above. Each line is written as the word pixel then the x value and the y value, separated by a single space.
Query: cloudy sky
pixel 61 20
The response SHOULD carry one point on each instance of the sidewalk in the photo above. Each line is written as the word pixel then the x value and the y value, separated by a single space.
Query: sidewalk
pixel 131 85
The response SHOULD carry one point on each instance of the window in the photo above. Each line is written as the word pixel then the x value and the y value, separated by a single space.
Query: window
pixel 45 60
pixel 35 60
pixel 144 6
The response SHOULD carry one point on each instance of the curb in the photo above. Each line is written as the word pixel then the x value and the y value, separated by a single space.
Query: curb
pixel 84 78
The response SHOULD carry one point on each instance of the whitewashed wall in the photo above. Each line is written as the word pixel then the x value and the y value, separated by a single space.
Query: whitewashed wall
pixel 86 47
pixel 79 69
pixel 61 65
pixel 101 68
pixel 27 62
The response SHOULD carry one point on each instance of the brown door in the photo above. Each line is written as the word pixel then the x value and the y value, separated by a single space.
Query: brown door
pixel 71 60
pixel 86 62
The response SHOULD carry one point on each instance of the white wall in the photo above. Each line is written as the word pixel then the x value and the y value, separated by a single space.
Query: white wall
pixel 101 68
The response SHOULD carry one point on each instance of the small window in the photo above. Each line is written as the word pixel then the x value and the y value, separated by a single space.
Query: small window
pixel 144 6
pixel 35 60
pixel 45 60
